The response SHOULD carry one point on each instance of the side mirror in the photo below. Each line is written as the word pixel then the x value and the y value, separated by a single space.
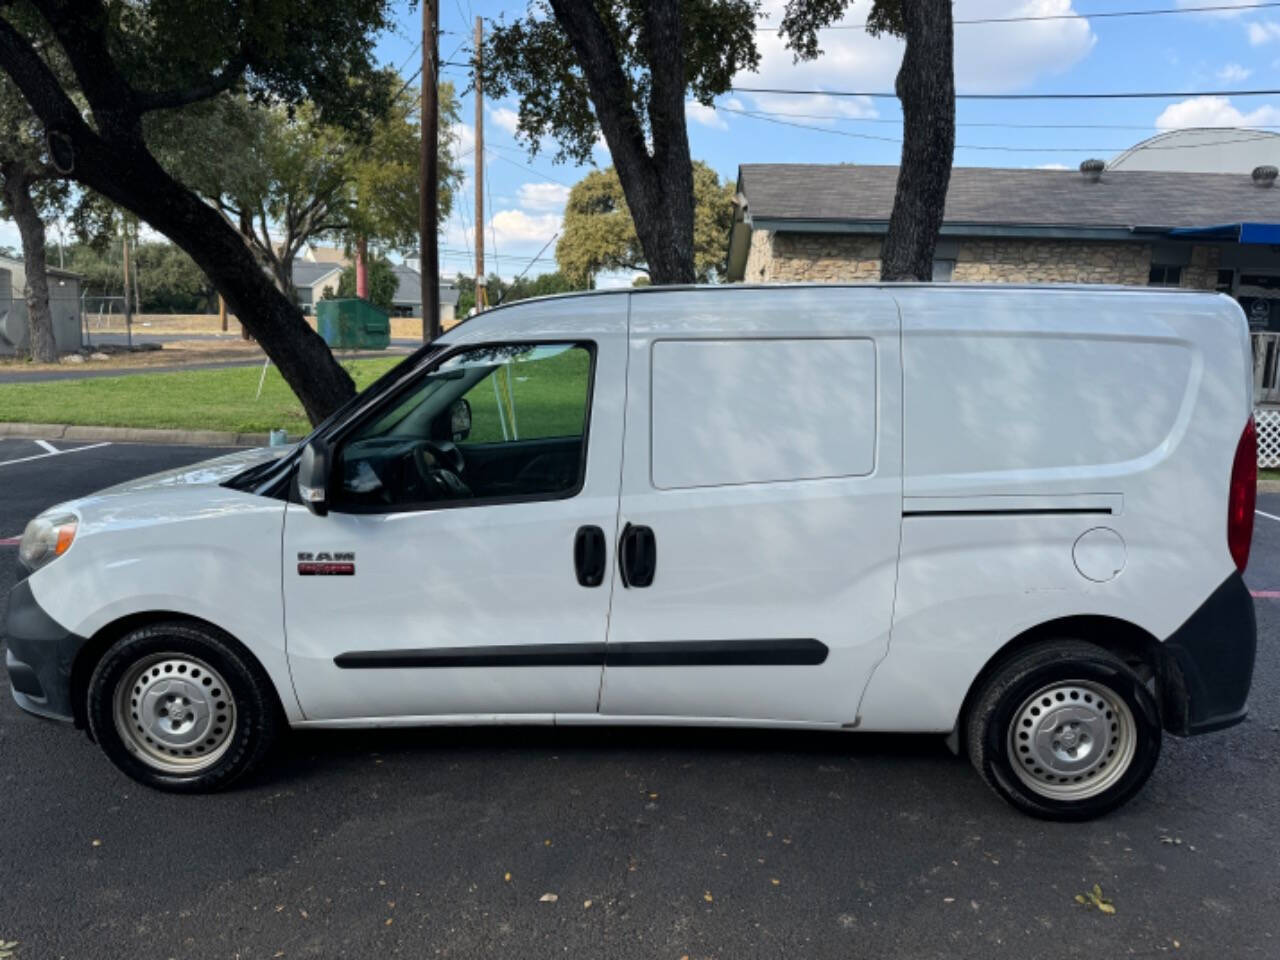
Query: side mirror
pixel 460 420
pixel 313 477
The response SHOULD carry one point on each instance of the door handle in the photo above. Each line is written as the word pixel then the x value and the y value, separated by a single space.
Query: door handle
pixel 588 556
pixel 637 556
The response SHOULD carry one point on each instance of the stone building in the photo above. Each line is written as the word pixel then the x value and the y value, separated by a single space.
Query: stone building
pixel 826 223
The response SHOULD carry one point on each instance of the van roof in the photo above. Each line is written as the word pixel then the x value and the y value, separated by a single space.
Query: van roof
pixel 864 285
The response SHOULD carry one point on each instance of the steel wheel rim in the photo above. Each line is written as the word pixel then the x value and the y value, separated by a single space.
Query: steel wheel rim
pixel 175 713
pixel 1072 740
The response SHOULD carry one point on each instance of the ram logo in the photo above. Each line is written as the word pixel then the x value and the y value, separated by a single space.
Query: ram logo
pixel 326 564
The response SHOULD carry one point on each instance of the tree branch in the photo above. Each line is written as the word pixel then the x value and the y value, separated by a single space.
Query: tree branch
pixel 224 80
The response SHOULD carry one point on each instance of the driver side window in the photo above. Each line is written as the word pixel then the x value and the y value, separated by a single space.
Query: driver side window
pixel 491 423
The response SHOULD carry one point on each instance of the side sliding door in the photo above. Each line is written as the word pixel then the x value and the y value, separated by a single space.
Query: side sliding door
pixel 761 505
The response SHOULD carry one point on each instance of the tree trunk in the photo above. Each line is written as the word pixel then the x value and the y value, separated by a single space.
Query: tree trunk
pixel 926 88
pixel 658 188
pixel 136 181
pixel 362 267
pixel 17 192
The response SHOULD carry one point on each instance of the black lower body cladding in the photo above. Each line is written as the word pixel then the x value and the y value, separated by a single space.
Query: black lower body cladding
pixel 39 657
pixel 1211 657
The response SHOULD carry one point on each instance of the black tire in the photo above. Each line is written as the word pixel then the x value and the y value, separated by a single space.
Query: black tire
pixel 257 714
pixel 1006 696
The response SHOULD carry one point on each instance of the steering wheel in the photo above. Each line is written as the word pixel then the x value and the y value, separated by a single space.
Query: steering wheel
pixel 439 466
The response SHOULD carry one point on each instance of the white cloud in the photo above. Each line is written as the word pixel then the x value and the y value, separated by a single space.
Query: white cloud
pixel 707 116
pixel 1052 166
pixel 543 196
pixel 505 118
pixel 1214 112
pixel 1234 73
pixel 1263 31
pixel 515 227
pixel 992 58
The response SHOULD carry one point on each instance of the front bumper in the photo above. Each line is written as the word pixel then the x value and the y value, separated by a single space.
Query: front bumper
pixel 39 657
pixel 1209 660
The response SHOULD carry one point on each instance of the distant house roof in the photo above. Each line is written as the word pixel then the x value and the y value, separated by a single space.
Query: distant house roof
pixel 319 254
pixel 409 292
pixel 308 274
pixel 987 201
pixel 11 262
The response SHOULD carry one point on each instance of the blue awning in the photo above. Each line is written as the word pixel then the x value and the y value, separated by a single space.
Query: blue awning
pixel 1263 233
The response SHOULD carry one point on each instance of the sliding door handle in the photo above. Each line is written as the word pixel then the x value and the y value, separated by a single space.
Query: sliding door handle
pixel 637 556
pixel 588 556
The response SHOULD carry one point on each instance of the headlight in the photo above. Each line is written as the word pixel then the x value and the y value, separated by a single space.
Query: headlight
pixel 46 539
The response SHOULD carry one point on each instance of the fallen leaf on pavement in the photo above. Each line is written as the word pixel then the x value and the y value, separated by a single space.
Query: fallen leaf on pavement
pixel 586 904
pixel 1095 898
pixel 549 898
pixel 707 896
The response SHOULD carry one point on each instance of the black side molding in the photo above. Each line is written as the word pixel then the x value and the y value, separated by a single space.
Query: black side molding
pixel 669 653
pixel 514 655
pixel 717 653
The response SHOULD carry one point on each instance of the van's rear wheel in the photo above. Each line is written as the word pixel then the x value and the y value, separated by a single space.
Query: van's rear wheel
pixel 179 706
pixel 1064 730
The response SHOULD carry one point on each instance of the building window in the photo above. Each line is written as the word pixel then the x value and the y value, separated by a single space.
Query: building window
pixel 1226 280
pixel 1164 276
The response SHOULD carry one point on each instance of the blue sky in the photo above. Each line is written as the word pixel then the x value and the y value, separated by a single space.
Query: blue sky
pixel 1185 52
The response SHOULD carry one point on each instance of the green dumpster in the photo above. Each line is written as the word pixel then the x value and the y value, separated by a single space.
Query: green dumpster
pixel 353 324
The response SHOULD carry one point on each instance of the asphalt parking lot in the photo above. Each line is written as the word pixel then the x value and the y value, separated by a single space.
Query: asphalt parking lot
pixel 655 843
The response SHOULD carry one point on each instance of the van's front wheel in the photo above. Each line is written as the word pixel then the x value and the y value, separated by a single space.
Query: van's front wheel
pixel 179 706
pixel 1065 731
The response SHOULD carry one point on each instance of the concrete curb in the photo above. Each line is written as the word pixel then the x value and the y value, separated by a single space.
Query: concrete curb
pixel 200 438
pixel 1266 485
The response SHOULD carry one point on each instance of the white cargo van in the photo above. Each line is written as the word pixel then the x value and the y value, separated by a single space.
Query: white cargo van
pixel 1015 516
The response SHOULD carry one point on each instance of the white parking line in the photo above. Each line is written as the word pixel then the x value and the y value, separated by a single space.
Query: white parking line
pixel 46 446
pixel 1269 516
pixel 56 453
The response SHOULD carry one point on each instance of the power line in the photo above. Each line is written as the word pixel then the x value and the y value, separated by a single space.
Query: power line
pixel 1142 95
pixel 516 163
pixel 999 148
pixel 843 118
pixel 1106 14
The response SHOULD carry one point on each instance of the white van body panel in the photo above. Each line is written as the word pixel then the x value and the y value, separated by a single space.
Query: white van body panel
pixel 1125 405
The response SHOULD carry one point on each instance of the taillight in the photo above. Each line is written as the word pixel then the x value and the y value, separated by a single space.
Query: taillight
pixel 1243 496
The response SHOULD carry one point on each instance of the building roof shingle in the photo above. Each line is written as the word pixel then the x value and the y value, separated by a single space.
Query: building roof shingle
pixel 1020 197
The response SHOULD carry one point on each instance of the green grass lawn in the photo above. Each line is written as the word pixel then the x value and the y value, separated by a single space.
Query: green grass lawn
pixel 549 397
pixel 196 400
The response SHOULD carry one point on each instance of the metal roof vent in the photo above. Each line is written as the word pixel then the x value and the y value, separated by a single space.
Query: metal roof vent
pixel 1264 176
pixel 1092 169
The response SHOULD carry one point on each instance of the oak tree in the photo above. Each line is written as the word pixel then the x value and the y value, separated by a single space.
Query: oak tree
pixel 128 61
pixel 599 231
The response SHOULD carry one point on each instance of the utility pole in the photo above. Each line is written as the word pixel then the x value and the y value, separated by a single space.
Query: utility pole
pixel 428 234
pixel 482 300
pixel 128 314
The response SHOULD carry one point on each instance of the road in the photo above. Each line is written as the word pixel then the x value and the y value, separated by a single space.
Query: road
pixel 656 843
